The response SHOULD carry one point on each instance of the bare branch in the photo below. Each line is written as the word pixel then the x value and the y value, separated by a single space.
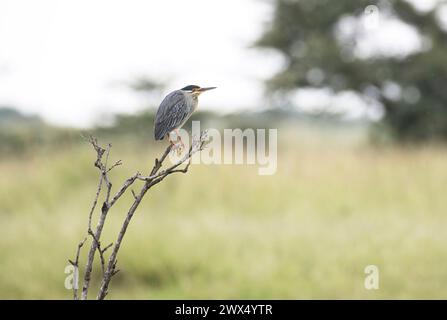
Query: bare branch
pixel 101 256
pixel 116 164
pixel 158 163
pixel 102 166
pixel 111 266
pixel 197 145
pixel 156 176
pixel 134 194
pixel 106 177
pixel 99 151
pixel 123 188
pixel 184 170
pixel 98 247
pixel 107 247
pixel 95 202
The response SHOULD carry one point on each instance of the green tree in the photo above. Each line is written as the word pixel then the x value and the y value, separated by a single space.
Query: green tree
pixel 305 32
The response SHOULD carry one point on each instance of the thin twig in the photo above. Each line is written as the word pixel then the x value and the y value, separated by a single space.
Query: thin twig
pixel 123 188
pixel 98 247
pixel 101 256
pixel 95 202
pixel 116 164
pixel 75 264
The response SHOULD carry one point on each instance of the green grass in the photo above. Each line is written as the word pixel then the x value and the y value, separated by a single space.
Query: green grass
pixel 225 232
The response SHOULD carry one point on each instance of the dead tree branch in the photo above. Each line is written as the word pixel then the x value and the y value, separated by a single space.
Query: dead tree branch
pixel 155 176
pixel 75 264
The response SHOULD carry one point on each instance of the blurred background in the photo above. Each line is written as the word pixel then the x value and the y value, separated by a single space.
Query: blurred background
pixel 356 89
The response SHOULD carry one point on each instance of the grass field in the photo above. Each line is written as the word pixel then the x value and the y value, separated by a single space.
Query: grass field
pixel 334 207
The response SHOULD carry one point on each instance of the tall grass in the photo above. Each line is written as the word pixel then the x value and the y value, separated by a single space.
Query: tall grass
pixel 308 231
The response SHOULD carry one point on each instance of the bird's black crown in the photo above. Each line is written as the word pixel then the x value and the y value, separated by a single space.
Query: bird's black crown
pixel 190 88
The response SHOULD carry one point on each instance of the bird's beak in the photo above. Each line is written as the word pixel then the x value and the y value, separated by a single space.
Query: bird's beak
pixel 206 89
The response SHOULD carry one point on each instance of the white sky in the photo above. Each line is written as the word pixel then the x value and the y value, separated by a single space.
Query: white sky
pixel 64 59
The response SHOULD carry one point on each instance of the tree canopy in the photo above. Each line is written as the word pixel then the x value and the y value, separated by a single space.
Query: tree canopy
pixel 307 34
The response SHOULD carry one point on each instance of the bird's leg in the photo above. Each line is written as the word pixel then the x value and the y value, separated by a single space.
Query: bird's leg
pixel 168 135
pixel 174 144
pixel 179 138
pixel 178 145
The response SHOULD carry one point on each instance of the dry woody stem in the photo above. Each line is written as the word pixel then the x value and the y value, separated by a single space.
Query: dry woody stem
pixel 156 175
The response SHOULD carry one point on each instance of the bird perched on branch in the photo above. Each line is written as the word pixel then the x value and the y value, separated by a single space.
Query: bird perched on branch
pixel 175 110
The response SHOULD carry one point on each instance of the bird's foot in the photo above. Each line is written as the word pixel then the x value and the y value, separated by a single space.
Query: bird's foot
pixel 178 147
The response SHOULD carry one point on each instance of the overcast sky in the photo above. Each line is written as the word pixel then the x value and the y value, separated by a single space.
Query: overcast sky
pixel 67 60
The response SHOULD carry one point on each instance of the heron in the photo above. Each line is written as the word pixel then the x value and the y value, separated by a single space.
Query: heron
pixel 175 109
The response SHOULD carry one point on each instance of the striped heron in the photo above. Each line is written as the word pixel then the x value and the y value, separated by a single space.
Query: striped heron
pixel 175 110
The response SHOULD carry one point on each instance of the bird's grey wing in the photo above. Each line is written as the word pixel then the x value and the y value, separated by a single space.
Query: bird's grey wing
pixel 173 111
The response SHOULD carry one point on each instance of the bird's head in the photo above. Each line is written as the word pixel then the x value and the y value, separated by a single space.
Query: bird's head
pixel 196 90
